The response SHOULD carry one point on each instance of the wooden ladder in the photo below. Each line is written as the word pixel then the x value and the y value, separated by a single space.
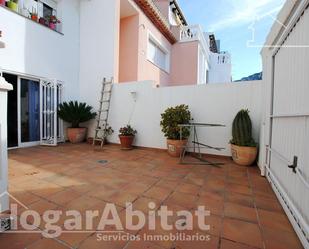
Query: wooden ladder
pixel 102 118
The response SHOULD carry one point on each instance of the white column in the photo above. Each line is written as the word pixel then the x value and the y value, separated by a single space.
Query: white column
pixel 4 200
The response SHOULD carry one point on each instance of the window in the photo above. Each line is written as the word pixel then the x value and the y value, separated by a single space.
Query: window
pixel 44 8
pixel 157 54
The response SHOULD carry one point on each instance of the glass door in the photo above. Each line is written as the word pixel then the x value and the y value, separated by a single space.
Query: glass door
pixel 29 112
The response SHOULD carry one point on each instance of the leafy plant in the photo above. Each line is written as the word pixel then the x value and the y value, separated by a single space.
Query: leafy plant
pixel 127 131
pixel 171 118
pixel 75 113
pixel 53 19
pixel 242 130
pixel 109 131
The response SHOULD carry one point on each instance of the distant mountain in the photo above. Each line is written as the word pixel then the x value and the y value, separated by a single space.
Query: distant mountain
pixel 257 76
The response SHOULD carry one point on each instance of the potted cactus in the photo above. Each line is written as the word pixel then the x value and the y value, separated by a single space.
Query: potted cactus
pixel 244 148
pixel 170 119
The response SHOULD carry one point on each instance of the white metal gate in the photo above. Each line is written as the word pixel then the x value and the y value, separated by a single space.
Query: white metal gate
pixel 51 132
pixel 288 165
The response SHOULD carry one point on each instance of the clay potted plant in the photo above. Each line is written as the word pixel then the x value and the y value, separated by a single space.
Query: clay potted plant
pixel 13 5
pixel 76 113
pixel 126 136
pixel 34 15
pixel 43 21
pixel 52 22
pixel 170 121
pixel 108 132
pixel 243 146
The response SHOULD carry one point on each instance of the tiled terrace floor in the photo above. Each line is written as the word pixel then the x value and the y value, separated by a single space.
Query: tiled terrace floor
pixel 244 210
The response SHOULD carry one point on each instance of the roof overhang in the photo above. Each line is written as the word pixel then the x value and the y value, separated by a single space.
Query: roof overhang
pixel 157 18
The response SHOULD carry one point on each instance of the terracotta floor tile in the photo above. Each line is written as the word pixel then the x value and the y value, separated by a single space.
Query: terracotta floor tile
pixel 136 188
pixel 142 245
pixel 96 242
pixel 121 198
pixel 83 203
pixel 73 179
pixel 42 205
pixel 64 197
pixel 158 193
pixel 74 239
pixel 240 199
pixel 169 184
pixel 243 232
pixel 211 204
pixel 274 220
pixel 241 189
pixel 275 239
pixel 211 244
pixel 267 204
pixel 101 192
pixel 212 194
pixel 227 244
pixel 18 240
pixel 48 244
pixel 188 188
pixel 187 201
pixel 142 204
pixel 240 212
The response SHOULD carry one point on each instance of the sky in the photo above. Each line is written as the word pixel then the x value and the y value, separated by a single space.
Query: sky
pixel 234 22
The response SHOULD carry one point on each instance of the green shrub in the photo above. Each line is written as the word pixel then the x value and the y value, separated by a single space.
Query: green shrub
pixel 75 113
pixel 171 118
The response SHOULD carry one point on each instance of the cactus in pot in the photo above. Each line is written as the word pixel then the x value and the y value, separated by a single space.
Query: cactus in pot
pixel 244 148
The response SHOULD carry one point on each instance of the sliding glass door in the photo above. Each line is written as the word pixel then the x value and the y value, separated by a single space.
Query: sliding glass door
pixel 29 111
pixel 32 111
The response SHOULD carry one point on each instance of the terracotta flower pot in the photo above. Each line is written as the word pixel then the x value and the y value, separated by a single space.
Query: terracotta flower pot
pixel 76 135
pixel 175 147
pixel 244 156
pixel 52 26
pixel 126 142
pixel 34 18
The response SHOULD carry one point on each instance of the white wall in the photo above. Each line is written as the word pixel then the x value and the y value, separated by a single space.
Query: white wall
pixel 99 46
pixel 220 72
pixel 216 103
pixel 4 201
pixel 36 50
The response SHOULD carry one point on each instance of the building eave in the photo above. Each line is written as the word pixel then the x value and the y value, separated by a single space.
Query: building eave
pixel 183 18
pixel 157 18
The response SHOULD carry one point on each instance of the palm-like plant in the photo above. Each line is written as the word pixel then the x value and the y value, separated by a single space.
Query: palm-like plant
pixel 75 113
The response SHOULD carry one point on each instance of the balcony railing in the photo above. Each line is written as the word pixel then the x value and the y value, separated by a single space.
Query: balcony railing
pixel 194 33
pixel 223 58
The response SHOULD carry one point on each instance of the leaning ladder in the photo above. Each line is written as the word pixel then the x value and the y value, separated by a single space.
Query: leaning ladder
pixel 102 117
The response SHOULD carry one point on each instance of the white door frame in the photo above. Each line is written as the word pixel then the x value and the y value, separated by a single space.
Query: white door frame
pixel 20 143
pixel 60 84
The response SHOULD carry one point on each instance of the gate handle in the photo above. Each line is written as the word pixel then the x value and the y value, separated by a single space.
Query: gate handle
pixel 294 165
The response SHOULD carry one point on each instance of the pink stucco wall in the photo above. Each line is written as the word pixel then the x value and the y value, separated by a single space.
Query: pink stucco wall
pixel 133 62
pixel 184 64
pixel 147 70
pixel 128 51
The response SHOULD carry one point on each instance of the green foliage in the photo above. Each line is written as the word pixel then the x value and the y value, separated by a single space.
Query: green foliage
pixel 171 118
pixel 75 113
pixel 127 131
pixel 242 130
